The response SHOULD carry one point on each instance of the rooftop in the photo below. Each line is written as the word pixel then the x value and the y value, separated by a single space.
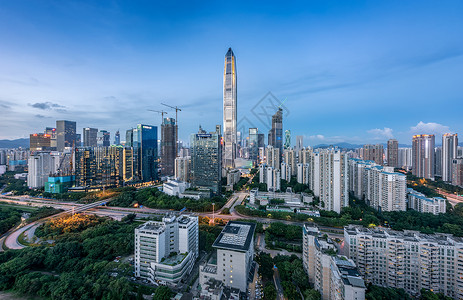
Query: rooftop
pixel 235 236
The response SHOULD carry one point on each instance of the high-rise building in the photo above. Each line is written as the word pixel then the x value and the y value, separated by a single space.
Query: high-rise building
pixel 405 158
pixel 275 135
pixel 129 138
pixel 335 277
pixel 291 159
pixel 273 179
pixel 299 142
pixel 235 257
pixel 41 165
pixel 261 140
pixel 374 153
pixel 90 137
pixel 253 144
pixel 206 164
pixel 287 144
pixel 273 157
pixel 230 138
pixel 457 171
pixel 168 146
pixel 39 141
pixel 328 178
pixel 182 168
pixel 449 153
pixel 285 171
pixel 393 153
pixel 423 155
pixel 103 138
pixel 303 173
pixel 65 134
pixel 117 138
pixel 78 140
pixel 167 250
pixel 52 133
pixel 407 259
pixel 145 152
pixel 438 161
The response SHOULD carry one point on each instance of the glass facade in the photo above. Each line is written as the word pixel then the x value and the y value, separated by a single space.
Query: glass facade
pixel 65 134
pixel 229 110
pixel 145 146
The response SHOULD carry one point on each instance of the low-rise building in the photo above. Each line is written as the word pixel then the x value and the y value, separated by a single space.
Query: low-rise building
pixel 174 187
pixel 419 202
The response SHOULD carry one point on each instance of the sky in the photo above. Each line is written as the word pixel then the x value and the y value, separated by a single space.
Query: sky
pixel 345 71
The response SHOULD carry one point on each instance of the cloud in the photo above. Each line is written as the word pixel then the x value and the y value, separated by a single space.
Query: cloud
pixel 429 128
pixel 48 106
pixel 321 139
pixel 40 116
pixel 382 133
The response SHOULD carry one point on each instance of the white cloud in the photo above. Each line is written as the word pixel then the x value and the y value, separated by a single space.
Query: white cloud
pixel 382 133
pixel 429 128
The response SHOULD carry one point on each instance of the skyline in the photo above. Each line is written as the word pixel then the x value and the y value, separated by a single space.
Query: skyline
pixel 104 66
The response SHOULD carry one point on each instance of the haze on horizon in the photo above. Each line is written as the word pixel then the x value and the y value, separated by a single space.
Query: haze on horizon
pixel 354 72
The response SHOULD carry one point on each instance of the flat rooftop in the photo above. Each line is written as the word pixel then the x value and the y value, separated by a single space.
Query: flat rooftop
pixel 236 236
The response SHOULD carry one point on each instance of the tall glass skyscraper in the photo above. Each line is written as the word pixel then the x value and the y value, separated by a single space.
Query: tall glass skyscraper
pixel 253 144
pixel 65 134
pixel 145 150
pixel 275 135
pixel 229 110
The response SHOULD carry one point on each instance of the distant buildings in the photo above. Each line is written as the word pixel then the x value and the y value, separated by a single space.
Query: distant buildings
pixel 39 141
pixel 182 168
pixel 117 138
pixel 89 137
pixel 374 153
pixel 457 171
pixel 166 251
pixel 299 142
pixel 393 153
pixel 65 134
pixel 230 138
pixel 381 187
pixel 206 163
pixel 169 132
pixel 328 178
pixel 40 166
pixel 103 138
pixel 449 153
pixel 235 254
pixel 423 155
pixel 335 277
pixel 253 144
pixel 407 259
pixel 419 202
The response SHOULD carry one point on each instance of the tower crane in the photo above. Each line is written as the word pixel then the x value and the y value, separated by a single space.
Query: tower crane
pixel 161 112
pixel 176 110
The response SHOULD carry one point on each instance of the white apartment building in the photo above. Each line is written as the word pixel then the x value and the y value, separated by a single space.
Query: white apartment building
pixel 40 166
pixel 182 168
pixel 234 265
pixel 405 158
pixel 335 277
pixel 166 251
pixel 285 171
pixel 262 173
pixel 381 187
pixel 273 157
pixel 407 259
pixel 273 178
pixel 304 155
pixel 303 173
pixel 419 202
pixel 328 178
pixel 291 160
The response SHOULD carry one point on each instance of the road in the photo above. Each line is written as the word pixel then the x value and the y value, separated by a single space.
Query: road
pixel 276 280
pixel 453 199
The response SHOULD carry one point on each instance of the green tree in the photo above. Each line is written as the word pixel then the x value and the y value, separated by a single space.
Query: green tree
pixel 270 293
pixel 162 293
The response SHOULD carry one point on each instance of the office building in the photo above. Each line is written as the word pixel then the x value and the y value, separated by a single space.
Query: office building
pixel 381 187
pixel 273 157
pixel 423 155
pixel 449 153
pixel 117 138
pixel 291 160
pixel 145 152
pixel 206 162
pixel 405 158
pixel 40 166
pixel 166 251
pixel 90 137
pixel 393 153
pixel 169 133
pixel 230 138
pixel 78 140
pixel 303 173
pixel 261 140
pixel 65 135
pixel 39 141
pixel 407 259
pixel 328 178
pixel 457 171
pixel 335 277
pixel 52 133
pixel 419 202
pixel 275 135
pixel 234 264
pixel 374 153
pixel 253 144
pixel 103 138
pixel 299 142
pixel 182 168
pixel 129 138
pixel 173 187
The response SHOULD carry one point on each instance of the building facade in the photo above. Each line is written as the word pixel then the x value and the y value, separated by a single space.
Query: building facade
pixel 374 153
pixel 393 153
pixel 65 135
pixel 169 136
pixel 457 171
pixel 423 156
pixel 449 153
pixel 275 135
pixel 182 168
pixel 419 202
pixel 229 110
pixel 89 137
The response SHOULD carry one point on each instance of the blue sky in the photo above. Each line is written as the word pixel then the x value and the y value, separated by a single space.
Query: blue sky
pixel 348 71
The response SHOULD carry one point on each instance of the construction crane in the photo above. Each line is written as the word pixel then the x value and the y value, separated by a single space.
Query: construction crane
pixel 176 110
pixel 161 112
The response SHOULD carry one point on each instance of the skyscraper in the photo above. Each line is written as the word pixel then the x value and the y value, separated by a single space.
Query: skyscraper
pixel 103 138
pixel 65 134
pixel 275 135
pixel 229 110
pixel 393 153
pixel 145 150
pixel 449 153
pixel 299 142
pixel 52 132
pixel 39 141
pixel 287 139
pixel 168 146
pixel 89 137
pixel 117 138
pixel 423 155
pixel 206 162
pixel 374 153
pixel 253 144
